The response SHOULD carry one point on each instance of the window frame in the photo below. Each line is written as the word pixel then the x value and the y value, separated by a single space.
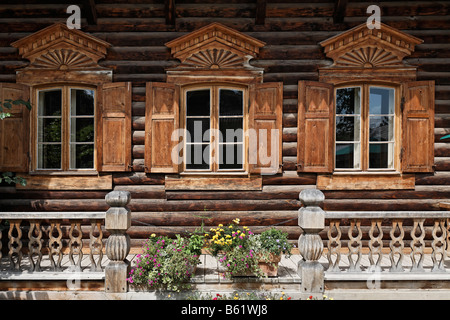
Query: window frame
pixel 65 129
pixel 365 126
pixel 214 88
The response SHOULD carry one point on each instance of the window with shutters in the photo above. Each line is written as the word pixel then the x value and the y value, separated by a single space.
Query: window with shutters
pixel 214 116
pixel 80 121
pixel 65 128
pixel 367 123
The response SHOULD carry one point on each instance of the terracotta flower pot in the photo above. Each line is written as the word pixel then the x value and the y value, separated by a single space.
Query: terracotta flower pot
pixel 270 268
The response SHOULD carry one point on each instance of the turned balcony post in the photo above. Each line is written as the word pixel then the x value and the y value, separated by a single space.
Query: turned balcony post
pixel 311 219
pixel 117 222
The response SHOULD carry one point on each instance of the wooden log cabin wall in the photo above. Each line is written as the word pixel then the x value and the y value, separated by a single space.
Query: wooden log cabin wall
pixel 138 31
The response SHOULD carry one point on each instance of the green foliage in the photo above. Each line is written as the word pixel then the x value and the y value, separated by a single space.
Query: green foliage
pixel 276 242
pixel 165 264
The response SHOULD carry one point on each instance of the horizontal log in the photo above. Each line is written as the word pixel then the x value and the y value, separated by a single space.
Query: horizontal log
pixel 438 178
pixel 382 205
pixel 136 178
pixel 290 177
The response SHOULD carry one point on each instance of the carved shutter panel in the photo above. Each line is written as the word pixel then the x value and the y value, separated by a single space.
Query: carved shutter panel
pixel 417 152
pixel 15 130
pixel 114 127
pixel 161 121
pixel 265 128
pixel 315 139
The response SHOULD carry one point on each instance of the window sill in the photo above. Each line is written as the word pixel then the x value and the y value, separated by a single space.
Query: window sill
pixel 64 173
pixel 65 181
pixel 216 182
pixel 390 180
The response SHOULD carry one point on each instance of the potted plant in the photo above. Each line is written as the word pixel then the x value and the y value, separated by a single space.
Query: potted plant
pixel 273 243
pixel 165 264
pixel 234 245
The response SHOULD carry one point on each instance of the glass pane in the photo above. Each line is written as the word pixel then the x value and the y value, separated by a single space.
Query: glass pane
pixel 49 156
pixel 230 156
pixel 382 128
pixel 231 129
pixel 198 129
pixel 50 103
pixel 381 156
pixel 348 101
pixel 197 156
pixel 81 156
pixel 347 128
pixel 347 156
pixel 381 101
pixel 49 129
pixel 82 102
pixel 82 130
pixel 198 103
pixel 231 102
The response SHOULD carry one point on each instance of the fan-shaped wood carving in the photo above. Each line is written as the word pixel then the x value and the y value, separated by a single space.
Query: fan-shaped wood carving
pixel 63 59
pixel 214 59
pixel 368 57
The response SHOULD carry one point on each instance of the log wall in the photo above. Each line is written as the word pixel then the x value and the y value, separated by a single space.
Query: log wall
pixel 292 30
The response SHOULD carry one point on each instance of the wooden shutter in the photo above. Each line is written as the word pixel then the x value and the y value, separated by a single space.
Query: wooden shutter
pixel 417 154
pixel 315 139
pixel 265 128
pixel 15 130
pixel 114 127
pixel 161 120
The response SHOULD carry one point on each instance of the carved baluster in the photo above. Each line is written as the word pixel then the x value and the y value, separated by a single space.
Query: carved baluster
pixel 96 245
pixel 334 246
pixel 397 246
pixel 55 245
pixel 447 244
pixel 354 246
pixel 438 245
pixel 1 245
pixel 76 243
pixel 311 219
pixel 417 245
pixel 375 244
pixel 35 245
pixel 117 222
pixel 15 244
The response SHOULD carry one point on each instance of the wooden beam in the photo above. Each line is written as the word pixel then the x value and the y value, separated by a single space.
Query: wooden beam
pixel 340 7
pixel 169 11
pixel 261 6
pixel 89 11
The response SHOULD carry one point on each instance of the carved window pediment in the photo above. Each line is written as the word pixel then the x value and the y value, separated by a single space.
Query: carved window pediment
pixel 215 47
pixel 363 53
pixel 60 48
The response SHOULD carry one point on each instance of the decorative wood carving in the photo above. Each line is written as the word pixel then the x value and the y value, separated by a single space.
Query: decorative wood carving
pixel 57 53
pixel 369 53
pixel 215 47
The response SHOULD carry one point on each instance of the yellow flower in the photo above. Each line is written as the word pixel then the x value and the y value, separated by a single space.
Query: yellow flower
pixel 237 220
pixel 153 235
pixel 220 225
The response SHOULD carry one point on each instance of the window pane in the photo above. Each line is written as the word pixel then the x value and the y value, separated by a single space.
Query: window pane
pixel 82 130
pixel 382 128
pixel 82 102
pixel 347 128
pixel 231 102
pixel 381 101
pixel 347 155
pixel 50 103
pixel 231 129
pixel 230 156
pixel 348 101
pixel 197 156
pixel 49 156
pixel 82 156
pixel 198 129
pixel 49 129
pixel 198 103
pixel 381 156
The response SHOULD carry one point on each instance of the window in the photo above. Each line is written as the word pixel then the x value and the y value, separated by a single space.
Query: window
pixel 214 122
pixel 65 128
pixel 365 128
